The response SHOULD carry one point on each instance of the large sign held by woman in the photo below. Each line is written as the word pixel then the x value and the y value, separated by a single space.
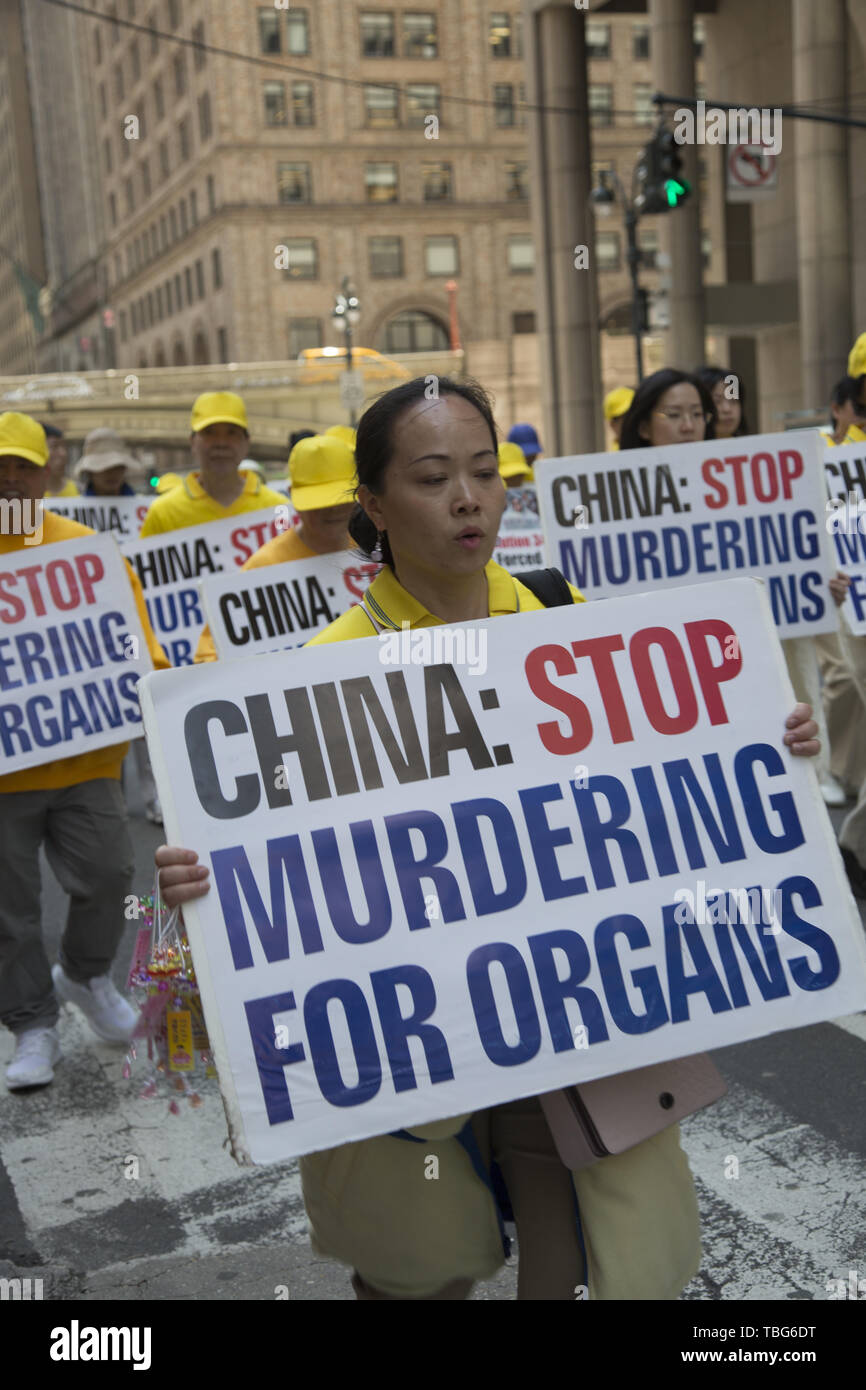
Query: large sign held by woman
pixel 437 888
pixel 651 518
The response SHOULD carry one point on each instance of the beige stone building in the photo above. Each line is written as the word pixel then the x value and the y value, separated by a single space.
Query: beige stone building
pixel 21 247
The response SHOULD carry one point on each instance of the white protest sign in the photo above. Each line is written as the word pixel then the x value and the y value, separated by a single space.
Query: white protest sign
pixel 533 860
pixel 520 543
pixel 169 567
pixel 123 517
pixel 71 651
pixel 650 518
pixel 278 606
pixel 845 473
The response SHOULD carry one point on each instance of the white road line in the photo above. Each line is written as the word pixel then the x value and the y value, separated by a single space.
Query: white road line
pixel 854 1023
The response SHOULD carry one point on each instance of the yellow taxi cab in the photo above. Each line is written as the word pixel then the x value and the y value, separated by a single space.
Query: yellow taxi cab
pixel 326 364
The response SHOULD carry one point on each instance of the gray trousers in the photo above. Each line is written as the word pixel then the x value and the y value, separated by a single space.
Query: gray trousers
pixel 85 833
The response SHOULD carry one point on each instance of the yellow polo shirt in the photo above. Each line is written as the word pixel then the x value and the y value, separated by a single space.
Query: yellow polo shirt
pixel 279 550
pixel 853 435
pixel 102 762
pixel 189 504
pixel 392 605
pixel 68 490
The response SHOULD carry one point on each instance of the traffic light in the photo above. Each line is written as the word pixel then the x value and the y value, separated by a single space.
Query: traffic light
pixel 661 185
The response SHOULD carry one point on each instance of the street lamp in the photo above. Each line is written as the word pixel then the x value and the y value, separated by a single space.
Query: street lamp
pixel 604 197
pixel 346 314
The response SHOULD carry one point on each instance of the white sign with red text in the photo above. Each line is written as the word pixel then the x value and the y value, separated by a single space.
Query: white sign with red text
pixel 121 517
pixel 278 606
pixel 170 566
pixel 690 513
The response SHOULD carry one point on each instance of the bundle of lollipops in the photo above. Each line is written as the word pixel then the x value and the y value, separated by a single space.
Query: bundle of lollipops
pixel 171 1029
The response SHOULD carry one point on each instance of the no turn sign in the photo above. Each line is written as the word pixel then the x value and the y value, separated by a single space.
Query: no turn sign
pixel 752 173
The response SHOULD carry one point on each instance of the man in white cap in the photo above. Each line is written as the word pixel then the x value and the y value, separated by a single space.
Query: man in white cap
pixel 105 465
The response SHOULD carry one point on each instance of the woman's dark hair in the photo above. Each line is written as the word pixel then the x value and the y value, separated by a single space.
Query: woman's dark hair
pixel 848 389
pixel 374 446
pixel 711 376
pixel 646 398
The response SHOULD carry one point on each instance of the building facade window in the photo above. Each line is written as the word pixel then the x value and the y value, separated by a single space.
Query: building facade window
pixel 106 155
pixel 193 207
pixel 179 67
pixel 440 255
pixel 222 345
pixel 422 100
pixel 199 56
pixel 270 31
pixel 211 193
pixel 174 13
pixel 303 111
pixel 377 34
pixel 436 183
pixel 172 222
pixel 169 297
pixel 600 103
pixel 523 321
pixel 134 61
pixel 516 180
pixel 276 111
pixel 380 107
pixel 293 183
pixel 164 162
pixel 380 181
pixel 183 142
pixel 503 102
pixel 499 32
pixel 303 258
pixel 385 256
pixel 112 209
pixel 145 178
pixel 648 243
pixel 644 111
pixel 607 250
pixel 103 101
pixel 154 35
pixel 129 195
pixel 640 42
pixel 199 279
pixel 118 82
pixel 158 99
pixel 521 254
pixel 597 39
pixel 181 209
pixel 204 118
pixel 97 45
pixel 216 267
pixel 303 334
pixel 420 38
pixel 298 32
pixel 187 280
pixel 414 331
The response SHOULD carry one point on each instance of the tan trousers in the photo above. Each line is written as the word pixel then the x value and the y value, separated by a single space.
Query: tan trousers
pixel 843 710
pixel 801 658
pixel 551 1265
pixel 852 835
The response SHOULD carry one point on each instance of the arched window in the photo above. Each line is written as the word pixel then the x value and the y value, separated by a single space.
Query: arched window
pixel 179 354
pixel 142 360
pixel 414 331
pixel 200 354
pixel 159 356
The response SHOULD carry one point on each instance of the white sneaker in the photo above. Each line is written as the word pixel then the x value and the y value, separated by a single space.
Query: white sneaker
pixel 832 791
pixel 36 1052
pixel 109 1015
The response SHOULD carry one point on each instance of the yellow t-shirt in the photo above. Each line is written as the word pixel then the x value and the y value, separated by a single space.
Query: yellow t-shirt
pixel 68 490
pixel 190 505
pixel 853 435
pixel 279 550
pixel 392 605
pixel 102 762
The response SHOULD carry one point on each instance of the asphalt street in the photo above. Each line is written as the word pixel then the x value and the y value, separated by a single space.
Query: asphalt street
pixel 782 1222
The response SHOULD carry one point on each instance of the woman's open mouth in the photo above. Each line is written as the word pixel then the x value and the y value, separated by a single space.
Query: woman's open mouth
pixel 470 539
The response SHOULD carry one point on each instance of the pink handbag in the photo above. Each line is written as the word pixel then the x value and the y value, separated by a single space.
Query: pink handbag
pixel 613 1114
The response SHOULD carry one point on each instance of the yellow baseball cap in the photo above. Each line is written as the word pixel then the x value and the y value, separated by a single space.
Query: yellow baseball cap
pixel 344 432
pixel 322 473
pixel 23 437
pixel 512 460
pixel 857 357
pixel 617 402
pixel 218 407
pixel 167 482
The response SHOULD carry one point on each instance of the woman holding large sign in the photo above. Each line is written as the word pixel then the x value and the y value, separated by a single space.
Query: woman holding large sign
pixel 418 1214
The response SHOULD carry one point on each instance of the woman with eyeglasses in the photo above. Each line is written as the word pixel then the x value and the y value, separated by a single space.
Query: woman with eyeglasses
pixel 669 407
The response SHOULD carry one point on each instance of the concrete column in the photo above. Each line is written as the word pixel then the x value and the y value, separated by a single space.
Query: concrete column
pixel 823 246
pixel 673 66
pixel 566 297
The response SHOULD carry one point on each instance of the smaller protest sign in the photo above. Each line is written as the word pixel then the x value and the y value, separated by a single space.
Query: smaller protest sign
pixel 169 567
pixel 520 543
pixel 683 514
pixel 845 474
pixel 122 517
pixel 278 606
pixel 71 651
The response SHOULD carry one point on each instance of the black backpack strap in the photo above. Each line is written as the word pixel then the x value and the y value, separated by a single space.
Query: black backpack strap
pixel 550 586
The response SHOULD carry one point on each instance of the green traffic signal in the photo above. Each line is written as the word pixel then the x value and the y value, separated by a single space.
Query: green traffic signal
pixel 154 480
pixel 676 191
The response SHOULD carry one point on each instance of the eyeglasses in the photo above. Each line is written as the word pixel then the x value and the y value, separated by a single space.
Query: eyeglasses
pixel 694 417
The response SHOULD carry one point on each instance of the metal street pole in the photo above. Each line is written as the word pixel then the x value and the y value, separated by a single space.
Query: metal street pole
pixel 633 257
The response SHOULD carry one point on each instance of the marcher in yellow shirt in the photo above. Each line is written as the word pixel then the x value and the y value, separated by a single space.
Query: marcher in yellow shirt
pixel 74 807
pixel 848 412
pixel 216 488
pixel 58 485
pixel 322 471
pixel 431 500
pixel 616 406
